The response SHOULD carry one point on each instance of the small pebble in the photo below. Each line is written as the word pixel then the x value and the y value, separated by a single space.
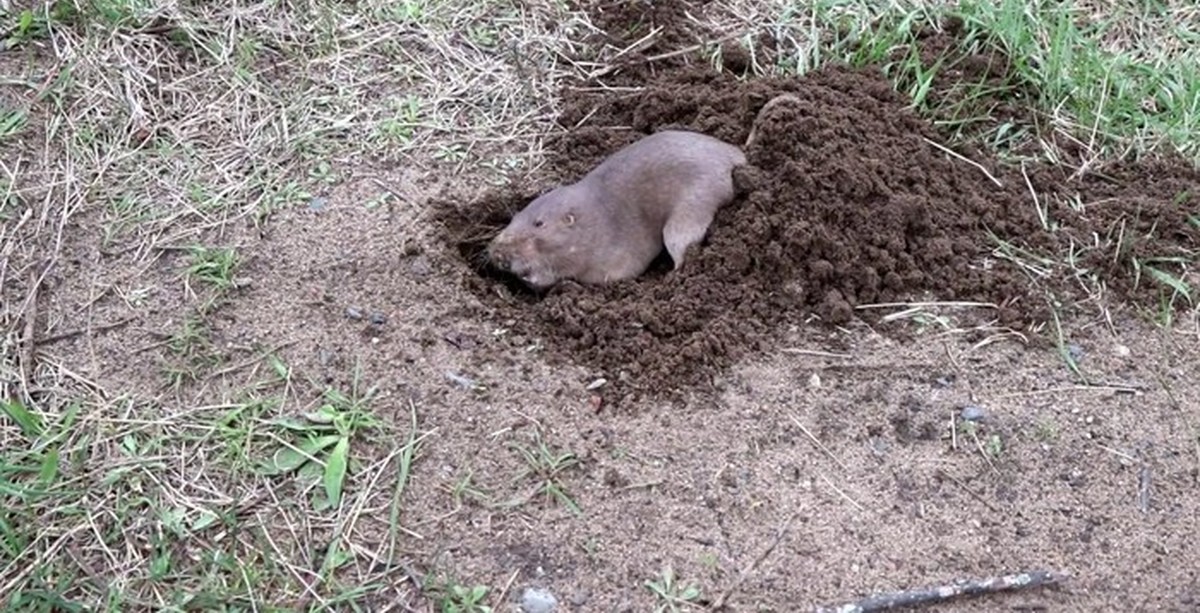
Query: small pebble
pixel 378 319
pixel 354 313
pixel 1122 351
pixel 879 446
pixel 318 203
pixel 814 381
pixel 973 413
pixel 1075 351
pixel 943 381
pixel 597 384
pixel 536 600
pixel 580 598
pixel 420 266
pixel 461 381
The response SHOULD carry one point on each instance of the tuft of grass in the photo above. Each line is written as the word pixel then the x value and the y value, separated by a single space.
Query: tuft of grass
pixel 465 489
pixel 12 123
pixel 1063 347
pixel 213 265
pixel 544 465
pixel 33 24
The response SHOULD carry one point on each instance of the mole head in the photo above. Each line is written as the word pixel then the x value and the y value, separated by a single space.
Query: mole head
pixel 542 242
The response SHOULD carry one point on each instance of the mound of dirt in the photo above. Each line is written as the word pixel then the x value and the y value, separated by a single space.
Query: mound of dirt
pixel 846 200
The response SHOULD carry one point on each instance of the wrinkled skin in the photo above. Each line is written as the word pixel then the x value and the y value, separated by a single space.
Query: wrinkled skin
pixel 662 190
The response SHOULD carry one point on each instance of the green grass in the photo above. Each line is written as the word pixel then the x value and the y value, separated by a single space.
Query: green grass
pixel 213 266
pixel 544 467
pixel 317 449
pixel 126 486
pixel 1123 82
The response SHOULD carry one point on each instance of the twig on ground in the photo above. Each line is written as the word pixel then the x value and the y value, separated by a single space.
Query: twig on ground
pixel 1144 489
pixel 1094 387
pixel 951 153
pixel 815 353
pixel 944 593
pixel 660 57
pixel 817 442
pixel 783 530
pixel 62 336
pixel 29 337
pixel 1037 203
pixel 973 493
pixel 844 495
pixel 958 303
pixel 983 452
pixel 508 585
pixel 248 361
pixel 642 485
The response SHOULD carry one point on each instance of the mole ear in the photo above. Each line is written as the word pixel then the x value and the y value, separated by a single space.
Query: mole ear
pixel 569 219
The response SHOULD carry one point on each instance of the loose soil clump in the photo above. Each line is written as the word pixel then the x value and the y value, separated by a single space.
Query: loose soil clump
pixel 846 201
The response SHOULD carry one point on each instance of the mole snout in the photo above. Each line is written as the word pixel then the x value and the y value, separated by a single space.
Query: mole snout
pixel 499 252
pixel 518 255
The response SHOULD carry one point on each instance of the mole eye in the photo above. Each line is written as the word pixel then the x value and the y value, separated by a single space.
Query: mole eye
pixel 537 224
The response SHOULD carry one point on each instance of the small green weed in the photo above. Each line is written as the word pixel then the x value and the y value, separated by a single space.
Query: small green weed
pixel 408 11
pixel 8 200
pixel 12 122
pixel 402 125
pixel 453 152
pixel 1153 268
pixel 671 593
pixel 318 447
pixel 213 265
pixel 191 338
pixel 463 599
pixel 465 489
pixel 238 428
pixel 990 446
pixel 454 597
pixel 545 465
pixel 124 213
pixel 1045 430
pixel 33 25
pixel 119 12
pixel 994 446
pixel 1064 348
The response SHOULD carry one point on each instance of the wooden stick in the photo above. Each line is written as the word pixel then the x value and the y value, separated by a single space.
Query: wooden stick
pixel 944 593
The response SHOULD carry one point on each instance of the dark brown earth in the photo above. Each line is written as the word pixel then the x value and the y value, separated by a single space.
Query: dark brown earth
pixel 845 202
